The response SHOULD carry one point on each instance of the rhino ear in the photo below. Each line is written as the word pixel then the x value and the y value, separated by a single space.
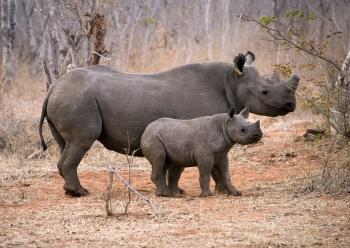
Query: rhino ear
pixel 231 112
pixel 250 57
pixel 245 112
pixel 239 62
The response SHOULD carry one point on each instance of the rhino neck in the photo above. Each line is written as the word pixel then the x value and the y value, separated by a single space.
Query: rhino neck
pixel 230 83
pixel 229 141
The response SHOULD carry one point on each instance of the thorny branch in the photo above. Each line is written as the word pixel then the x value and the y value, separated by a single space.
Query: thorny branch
pixel 279 36
pixel 112 172
pixel 128 185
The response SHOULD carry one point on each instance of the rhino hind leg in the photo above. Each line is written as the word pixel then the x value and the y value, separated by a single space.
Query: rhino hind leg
pixel 72 155
pixel 174 173
pixel 156 155
pixel 59 139
pixel 61 144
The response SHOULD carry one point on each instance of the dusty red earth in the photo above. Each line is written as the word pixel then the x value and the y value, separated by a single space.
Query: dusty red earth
pixel 274 211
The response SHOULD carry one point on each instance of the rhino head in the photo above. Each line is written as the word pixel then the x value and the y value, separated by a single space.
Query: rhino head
pixel 264 96
pixel 240 130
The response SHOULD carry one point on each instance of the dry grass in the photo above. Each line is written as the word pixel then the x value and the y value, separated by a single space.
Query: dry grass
pixel 334 175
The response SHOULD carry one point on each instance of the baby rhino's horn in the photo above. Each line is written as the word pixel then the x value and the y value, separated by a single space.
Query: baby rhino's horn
pixel 257 123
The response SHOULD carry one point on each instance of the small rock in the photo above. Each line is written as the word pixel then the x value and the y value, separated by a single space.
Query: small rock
pixel 313 134
pixel 290 155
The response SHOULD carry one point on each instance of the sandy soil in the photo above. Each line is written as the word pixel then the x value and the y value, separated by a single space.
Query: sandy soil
pixel 274 211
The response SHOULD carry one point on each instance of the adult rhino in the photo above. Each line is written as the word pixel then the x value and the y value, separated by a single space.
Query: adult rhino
pixel 98 103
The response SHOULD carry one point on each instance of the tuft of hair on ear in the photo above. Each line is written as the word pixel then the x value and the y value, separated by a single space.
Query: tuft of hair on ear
pixel 231 112
pixel 251 54
pixel 239 61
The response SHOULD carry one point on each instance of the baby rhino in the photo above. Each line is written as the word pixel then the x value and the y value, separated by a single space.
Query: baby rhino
pixel 204 141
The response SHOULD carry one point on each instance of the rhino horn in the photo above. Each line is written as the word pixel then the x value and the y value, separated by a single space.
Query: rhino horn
pixel 245 112
pixel 293 82
pixel 250 57
pixel 257 123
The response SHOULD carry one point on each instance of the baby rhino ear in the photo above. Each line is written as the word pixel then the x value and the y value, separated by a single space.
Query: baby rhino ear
pixel 231 112
pixel 245 112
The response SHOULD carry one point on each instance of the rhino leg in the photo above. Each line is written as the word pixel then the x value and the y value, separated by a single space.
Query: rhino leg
pixel 174 173
pixel 219 185
pixel 72 155
pixel 59 139
pixel 222 168
pixel 205 165
pixel 156 155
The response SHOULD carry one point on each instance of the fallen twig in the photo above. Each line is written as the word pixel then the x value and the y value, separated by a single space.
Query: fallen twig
pixel 112 172
pixel 109 211
pixel 130 187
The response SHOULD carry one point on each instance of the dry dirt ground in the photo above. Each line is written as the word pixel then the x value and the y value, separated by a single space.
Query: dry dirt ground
pixel 274 211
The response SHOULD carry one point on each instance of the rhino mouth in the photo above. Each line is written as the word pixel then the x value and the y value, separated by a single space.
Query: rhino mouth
pixel 278 111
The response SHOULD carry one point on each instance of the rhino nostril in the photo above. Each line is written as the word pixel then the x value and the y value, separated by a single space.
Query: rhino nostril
pixel 289 105
pixel 256 136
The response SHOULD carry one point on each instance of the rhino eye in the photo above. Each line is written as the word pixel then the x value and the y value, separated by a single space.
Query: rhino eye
pixel 264 92
pixel 243 130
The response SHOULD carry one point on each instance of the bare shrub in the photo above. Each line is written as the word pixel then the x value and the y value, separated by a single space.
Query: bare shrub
pixel 19 116
pixel 112 172
pixel 17 135
pixel 334 176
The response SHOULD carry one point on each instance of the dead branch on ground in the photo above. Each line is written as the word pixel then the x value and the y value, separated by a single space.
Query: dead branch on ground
pixel 131 188
pixel 127 183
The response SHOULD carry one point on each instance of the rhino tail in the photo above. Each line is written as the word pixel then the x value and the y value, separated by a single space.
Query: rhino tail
pixel 42 118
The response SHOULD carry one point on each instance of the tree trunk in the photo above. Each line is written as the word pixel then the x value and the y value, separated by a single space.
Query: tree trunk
pixel 53 50
pixel 7 65
pixel 12 24
pixel 28 14
pixel 340 111
pixel 98 32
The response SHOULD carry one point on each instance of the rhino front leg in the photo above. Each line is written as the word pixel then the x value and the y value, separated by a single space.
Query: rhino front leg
pixel 174 173
pixel 205 165
pixel 222 168
pixel 219 185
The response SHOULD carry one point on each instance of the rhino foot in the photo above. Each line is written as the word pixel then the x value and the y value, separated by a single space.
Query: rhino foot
pixel 234 193
pixel 206 193
pixel 77 192
pixel 176 192
pixel 181 191
pixel 163 192
pixel 220 188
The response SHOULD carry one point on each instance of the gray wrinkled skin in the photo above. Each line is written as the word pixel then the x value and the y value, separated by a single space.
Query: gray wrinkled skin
pixel 203 142
pixel 99 103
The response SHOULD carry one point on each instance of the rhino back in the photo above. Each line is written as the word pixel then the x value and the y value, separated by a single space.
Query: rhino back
pixel 128 102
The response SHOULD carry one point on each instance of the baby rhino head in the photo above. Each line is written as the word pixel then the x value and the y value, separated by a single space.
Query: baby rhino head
pixel 240 130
